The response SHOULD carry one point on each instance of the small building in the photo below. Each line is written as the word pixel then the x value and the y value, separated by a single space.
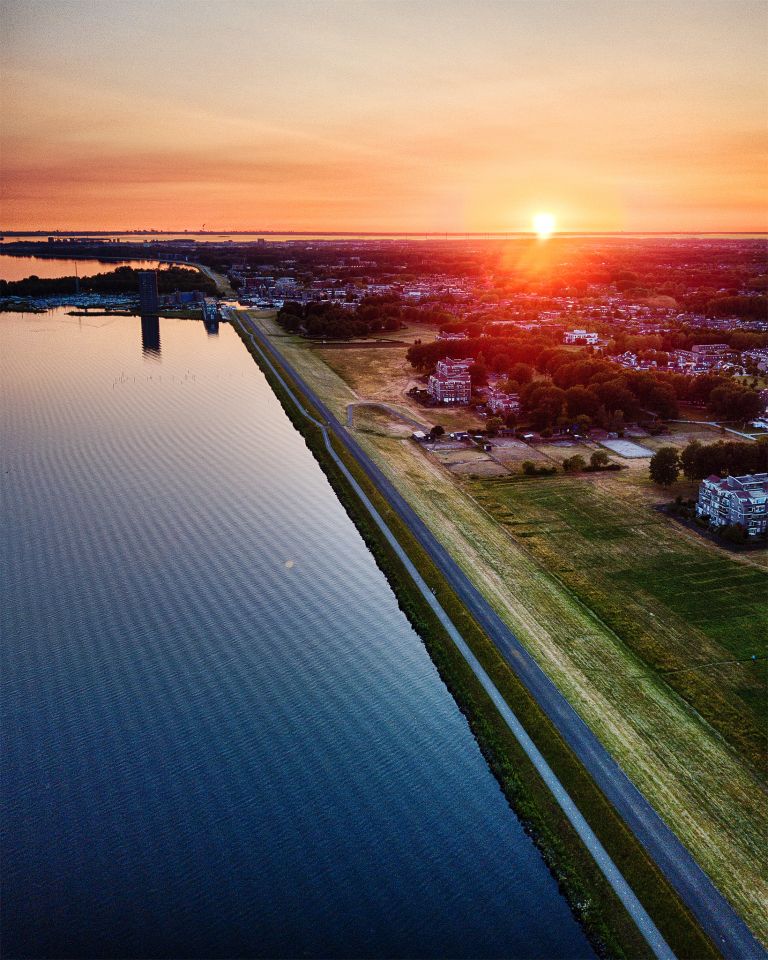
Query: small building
pixel 735 500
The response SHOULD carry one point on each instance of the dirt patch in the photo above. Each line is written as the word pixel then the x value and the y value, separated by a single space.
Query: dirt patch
pixel 479 468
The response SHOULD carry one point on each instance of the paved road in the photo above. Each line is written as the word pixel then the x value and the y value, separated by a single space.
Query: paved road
pixel 713 912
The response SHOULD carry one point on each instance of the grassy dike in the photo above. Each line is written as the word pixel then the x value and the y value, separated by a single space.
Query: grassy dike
pixel 592 900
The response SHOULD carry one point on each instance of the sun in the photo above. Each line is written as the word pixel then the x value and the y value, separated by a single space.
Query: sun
pixel 544 225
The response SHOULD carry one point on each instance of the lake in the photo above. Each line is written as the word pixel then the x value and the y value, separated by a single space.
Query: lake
pixel 19 268
pixel 222 738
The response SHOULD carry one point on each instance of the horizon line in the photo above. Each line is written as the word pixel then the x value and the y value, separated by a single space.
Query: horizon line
pixel 377 233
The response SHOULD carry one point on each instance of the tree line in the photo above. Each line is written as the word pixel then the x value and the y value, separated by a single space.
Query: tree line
pixel 699 460
pixel 328 320
pixel 121 280
pixel 584 390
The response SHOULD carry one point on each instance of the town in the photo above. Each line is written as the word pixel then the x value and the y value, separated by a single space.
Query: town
pixel 578 356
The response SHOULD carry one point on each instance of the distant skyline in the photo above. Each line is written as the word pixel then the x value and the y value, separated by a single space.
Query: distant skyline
pixel 381 116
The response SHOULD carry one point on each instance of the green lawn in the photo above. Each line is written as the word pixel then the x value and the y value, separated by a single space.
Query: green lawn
pixel 686 608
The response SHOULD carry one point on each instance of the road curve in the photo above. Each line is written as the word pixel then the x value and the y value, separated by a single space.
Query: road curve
pixel 713 912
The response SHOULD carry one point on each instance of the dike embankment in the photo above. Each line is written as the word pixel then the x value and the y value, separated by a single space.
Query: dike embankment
pixel 593 897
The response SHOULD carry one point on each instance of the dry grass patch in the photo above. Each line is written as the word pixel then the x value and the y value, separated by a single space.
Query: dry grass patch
pixel 479 468
pixel 513 452
pixel 374 420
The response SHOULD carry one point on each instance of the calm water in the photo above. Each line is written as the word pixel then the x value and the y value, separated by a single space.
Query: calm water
pixel 19 268
pixel 222 737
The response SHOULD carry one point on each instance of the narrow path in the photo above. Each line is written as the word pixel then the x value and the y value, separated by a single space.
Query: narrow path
pixel 219 279
pixel 609 869
pixel 714 663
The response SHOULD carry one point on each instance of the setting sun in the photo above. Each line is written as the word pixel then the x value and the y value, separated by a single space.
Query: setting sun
pixel 544 225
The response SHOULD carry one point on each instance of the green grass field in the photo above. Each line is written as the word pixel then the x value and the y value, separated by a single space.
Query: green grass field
pixel 686 608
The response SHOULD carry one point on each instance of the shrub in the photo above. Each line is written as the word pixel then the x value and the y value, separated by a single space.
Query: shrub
pixel 531 470
pixel 574 464
pixel 732 533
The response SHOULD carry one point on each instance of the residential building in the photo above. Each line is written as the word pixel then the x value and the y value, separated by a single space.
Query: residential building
pixel 735 500
pixel 451 382
pixel 711 349
pixel 149 301
pixel 502 403
pixel 211 316
pixel 580 336
pixel 450 368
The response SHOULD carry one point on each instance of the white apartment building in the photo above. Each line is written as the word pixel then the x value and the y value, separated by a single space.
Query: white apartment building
pixel 731 500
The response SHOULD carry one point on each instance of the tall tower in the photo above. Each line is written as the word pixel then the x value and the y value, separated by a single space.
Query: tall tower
pixel 149 302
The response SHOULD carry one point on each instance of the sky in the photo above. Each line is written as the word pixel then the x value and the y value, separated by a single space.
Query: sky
pixel 419 115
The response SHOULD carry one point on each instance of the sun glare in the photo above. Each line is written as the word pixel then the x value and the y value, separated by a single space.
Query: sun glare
pixel 544 225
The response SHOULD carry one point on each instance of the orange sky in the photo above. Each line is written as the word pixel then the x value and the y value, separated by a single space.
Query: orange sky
pixel 618 115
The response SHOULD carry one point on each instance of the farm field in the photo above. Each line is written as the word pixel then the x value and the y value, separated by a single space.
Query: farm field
pixel 706 788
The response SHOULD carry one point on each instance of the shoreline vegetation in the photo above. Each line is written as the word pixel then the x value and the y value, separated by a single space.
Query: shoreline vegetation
pixel 122 280
pixel 593 902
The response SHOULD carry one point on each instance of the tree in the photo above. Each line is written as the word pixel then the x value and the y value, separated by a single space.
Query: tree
pixel 479 373
pixel 689 458
pixel 665 466
pixel 581 402
pixel 437 430
pixel 725 456
pixel 544 403
pixel 732 533
pixel 494 425
pixel 522 373
pixel 598 460
pixel 731 402
pixel 574 464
